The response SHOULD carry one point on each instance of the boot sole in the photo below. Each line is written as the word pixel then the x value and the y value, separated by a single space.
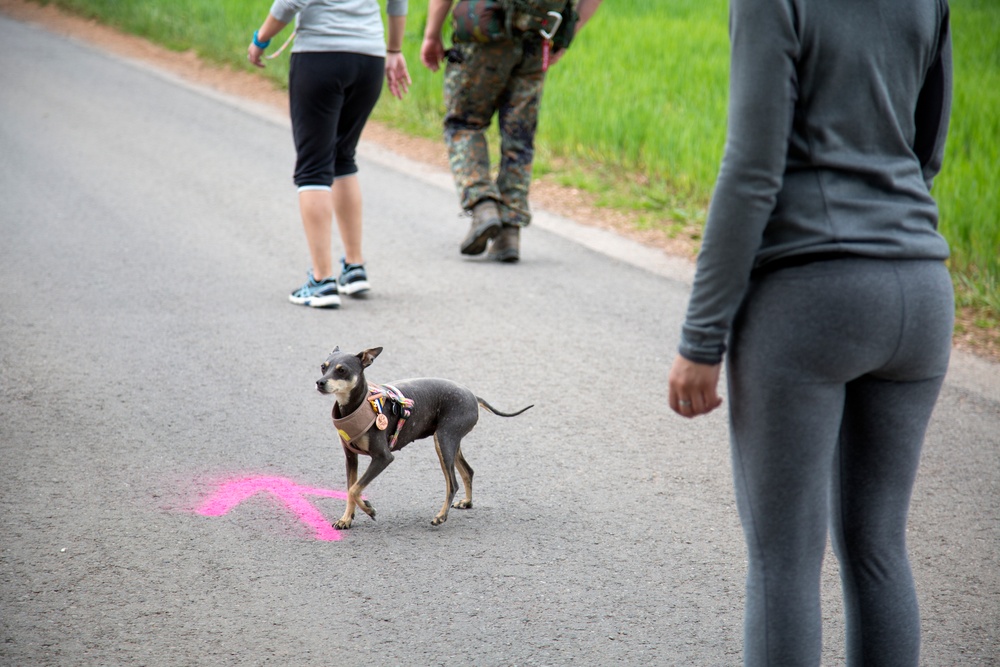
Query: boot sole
pixel 507 256
pixel 475 244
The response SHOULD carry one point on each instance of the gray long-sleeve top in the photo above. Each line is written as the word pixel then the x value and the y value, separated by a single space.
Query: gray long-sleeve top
pixel 838 111
pixel 353 26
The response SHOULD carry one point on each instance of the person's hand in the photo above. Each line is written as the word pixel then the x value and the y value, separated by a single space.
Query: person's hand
pixel 396 74
pixel 693 387
pixel 254 55
pixel 432 53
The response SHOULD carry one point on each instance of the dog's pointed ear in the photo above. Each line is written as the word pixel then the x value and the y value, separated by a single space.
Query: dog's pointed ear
pixel 368 356
pixel 336 350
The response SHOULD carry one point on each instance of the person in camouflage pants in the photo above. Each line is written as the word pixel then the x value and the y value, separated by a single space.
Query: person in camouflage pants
pixel 504 77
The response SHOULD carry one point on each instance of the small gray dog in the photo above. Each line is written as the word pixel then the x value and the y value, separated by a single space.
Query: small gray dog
pixel 365 416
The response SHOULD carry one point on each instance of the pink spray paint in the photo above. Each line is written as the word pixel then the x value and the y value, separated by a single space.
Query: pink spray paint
pixel 232 493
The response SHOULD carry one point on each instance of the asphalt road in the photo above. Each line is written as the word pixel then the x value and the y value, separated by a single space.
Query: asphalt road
pixel 169 471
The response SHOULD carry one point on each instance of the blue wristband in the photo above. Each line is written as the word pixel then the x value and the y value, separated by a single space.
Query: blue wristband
pixel 259 44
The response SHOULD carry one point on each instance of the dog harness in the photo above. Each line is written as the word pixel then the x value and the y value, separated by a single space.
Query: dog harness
pixel 372 411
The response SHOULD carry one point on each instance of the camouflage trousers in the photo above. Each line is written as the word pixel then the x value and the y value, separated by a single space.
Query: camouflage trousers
pixel 503 78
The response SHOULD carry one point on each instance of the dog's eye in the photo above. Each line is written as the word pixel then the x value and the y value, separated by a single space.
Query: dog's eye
pixel 323 367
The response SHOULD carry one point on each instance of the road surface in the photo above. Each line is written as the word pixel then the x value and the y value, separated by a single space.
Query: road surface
pixel 169 472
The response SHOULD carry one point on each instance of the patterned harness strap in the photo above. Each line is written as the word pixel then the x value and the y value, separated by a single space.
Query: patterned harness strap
pixel 378 394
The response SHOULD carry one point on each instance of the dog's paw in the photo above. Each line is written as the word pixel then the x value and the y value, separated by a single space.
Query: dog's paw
pixel 342 524
pixel 368 509
pixel 438 520
pixel 462 504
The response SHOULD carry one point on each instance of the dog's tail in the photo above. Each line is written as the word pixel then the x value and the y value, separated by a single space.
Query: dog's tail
pixel 501 414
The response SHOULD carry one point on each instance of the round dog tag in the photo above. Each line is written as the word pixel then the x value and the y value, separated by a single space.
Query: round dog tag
pixel 382 422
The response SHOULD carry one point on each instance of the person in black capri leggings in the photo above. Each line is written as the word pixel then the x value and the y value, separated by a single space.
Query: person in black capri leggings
pixel 335 80
pixel 823 270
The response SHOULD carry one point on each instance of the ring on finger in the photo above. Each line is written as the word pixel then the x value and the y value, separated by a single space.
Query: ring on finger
pixel 684 404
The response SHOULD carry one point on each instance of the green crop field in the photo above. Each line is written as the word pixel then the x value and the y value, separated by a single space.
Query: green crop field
pixel 635 112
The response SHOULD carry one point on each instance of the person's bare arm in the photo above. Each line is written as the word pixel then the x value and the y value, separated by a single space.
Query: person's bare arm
pixel 432 50
pixel 396 73
pixel 268 30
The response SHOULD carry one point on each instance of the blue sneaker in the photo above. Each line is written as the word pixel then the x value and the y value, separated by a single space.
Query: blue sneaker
pixel 321 294
pixel 353 278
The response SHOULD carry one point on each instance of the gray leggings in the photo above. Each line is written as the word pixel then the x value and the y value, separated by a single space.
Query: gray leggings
pixel 834 369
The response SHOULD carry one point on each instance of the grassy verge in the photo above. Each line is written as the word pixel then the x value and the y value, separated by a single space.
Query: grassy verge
pixel 968 189
pixel 635 113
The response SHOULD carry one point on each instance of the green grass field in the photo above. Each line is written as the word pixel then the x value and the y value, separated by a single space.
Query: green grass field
pixel 635 112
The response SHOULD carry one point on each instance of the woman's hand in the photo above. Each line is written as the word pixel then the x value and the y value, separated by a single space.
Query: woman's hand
pixel 693 387
pixel 254 55
pixel 396 74
pixel 268 30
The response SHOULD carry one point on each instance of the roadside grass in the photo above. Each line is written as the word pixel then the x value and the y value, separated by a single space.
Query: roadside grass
pixel 968 189
pixel 635 112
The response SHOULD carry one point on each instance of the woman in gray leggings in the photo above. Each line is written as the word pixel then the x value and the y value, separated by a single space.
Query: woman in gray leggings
pixel 822 275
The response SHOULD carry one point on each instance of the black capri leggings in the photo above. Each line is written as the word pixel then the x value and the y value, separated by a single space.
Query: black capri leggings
pixel 331 94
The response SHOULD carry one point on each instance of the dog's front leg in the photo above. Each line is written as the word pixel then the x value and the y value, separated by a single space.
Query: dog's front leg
pixel 352 478
pixel 380 460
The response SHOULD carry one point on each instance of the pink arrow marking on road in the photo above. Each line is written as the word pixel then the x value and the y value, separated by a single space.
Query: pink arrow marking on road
pixel 232 493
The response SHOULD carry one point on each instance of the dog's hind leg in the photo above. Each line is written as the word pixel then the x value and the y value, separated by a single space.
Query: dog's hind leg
pixel 465 470
pixel 447 447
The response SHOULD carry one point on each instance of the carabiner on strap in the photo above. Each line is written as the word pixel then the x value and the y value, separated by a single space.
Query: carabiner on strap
pixel 548 35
